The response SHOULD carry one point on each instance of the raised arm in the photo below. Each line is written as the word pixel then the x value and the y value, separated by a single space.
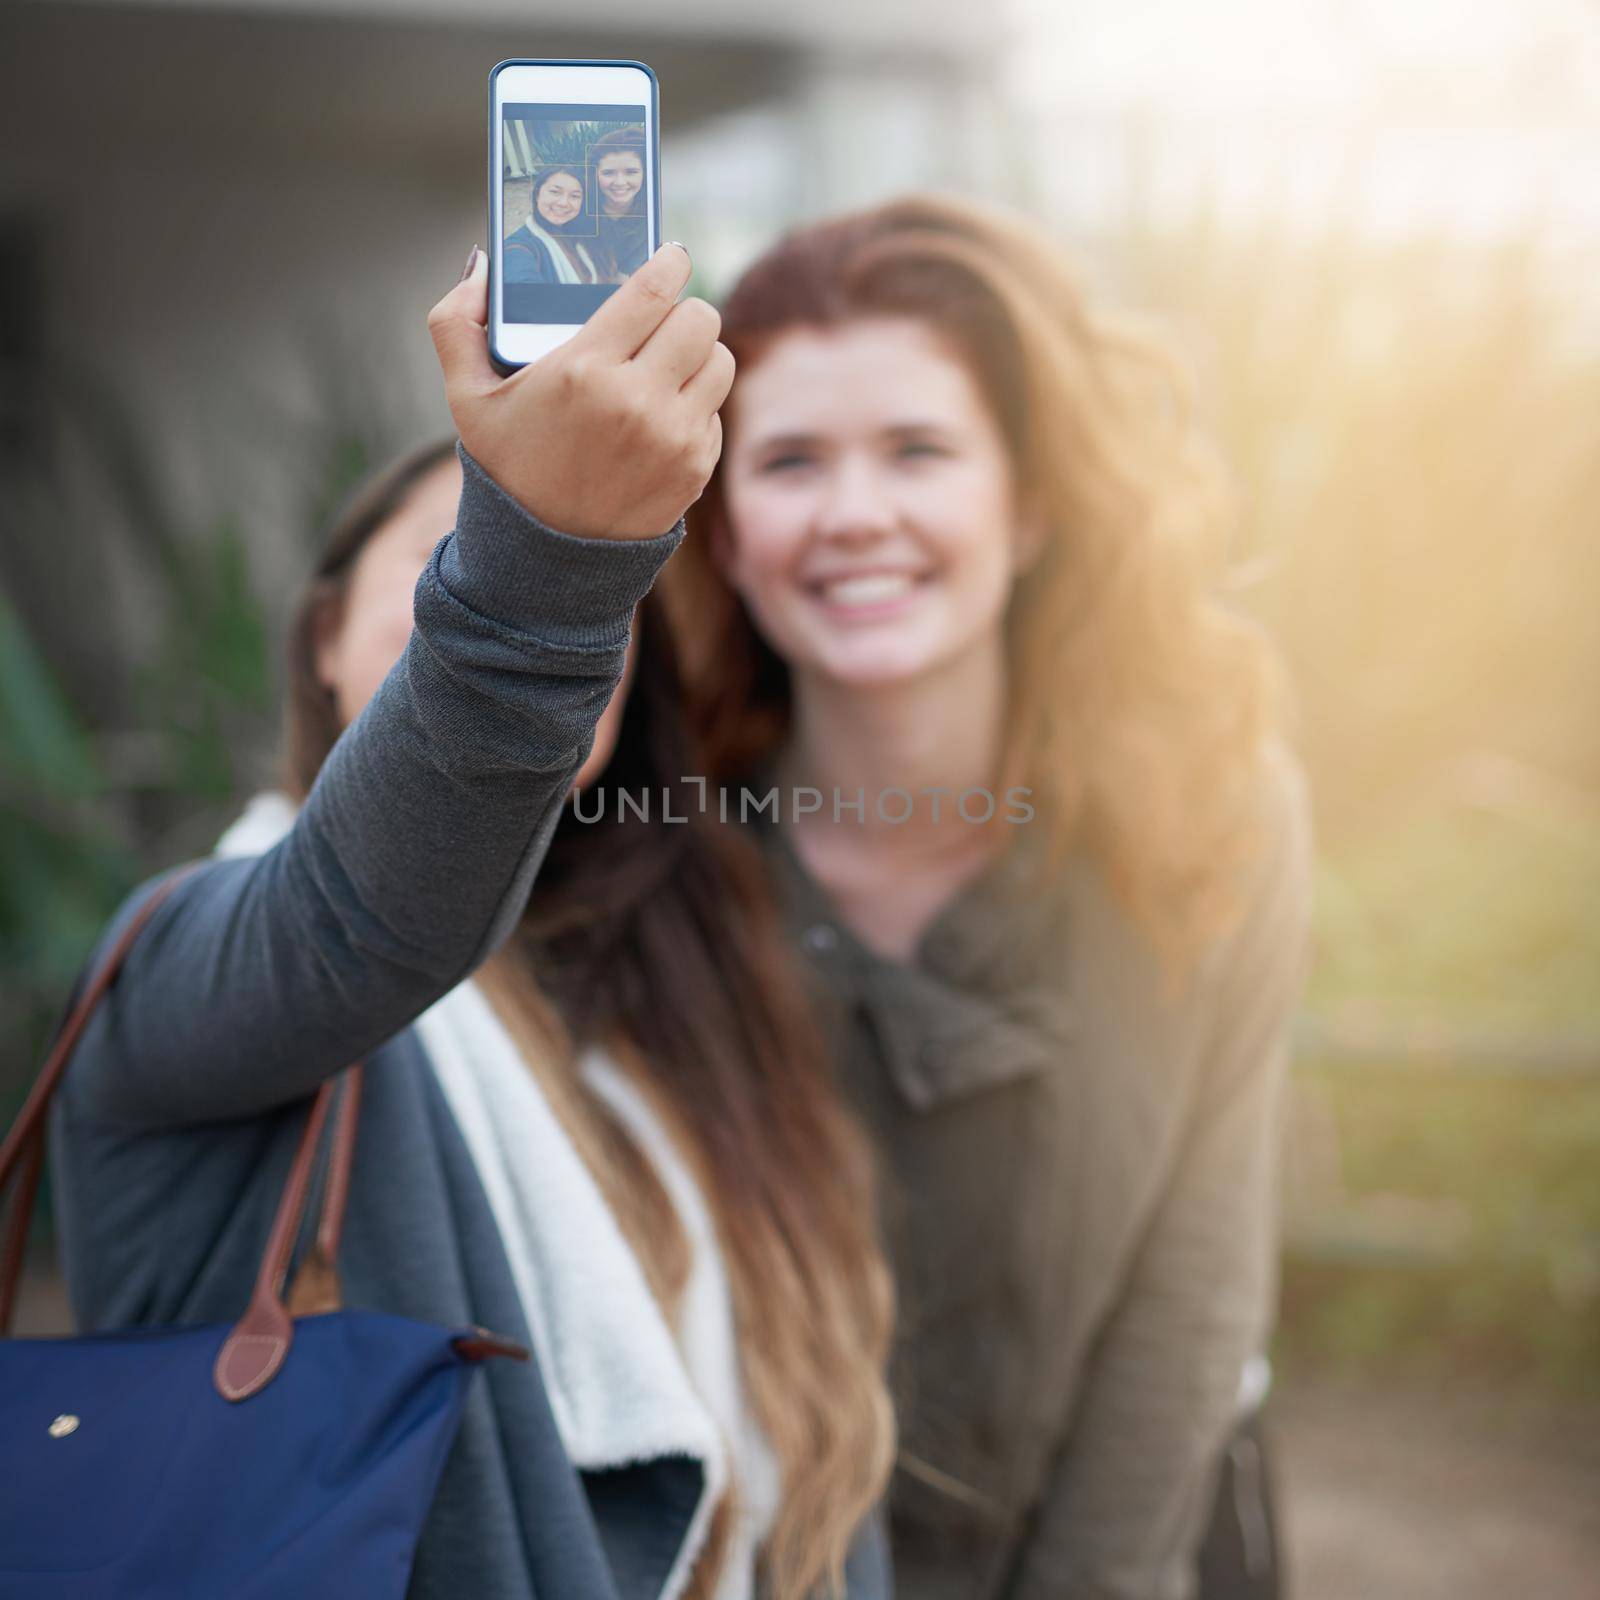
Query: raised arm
pixel 1125 1512
pixel 417 847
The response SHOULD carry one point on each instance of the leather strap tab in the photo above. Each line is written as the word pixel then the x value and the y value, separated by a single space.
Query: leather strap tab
pixel 488 1344
pixel 259 1343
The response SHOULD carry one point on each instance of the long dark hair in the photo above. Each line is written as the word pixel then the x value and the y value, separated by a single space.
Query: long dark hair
pixel 661 941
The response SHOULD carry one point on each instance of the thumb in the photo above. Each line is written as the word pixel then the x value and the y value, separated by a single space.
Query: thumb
pixel 460 336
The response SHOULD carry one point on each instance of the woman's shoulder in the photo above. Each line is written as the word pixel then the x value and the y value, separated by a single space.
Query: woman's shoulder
pixel 137 908
pixel 524 256
pixel 1261 903
pixel 265 817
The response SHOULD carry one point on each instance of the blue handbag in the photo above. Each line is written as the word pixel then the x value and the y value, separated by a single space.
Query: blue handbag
pixel 294 1453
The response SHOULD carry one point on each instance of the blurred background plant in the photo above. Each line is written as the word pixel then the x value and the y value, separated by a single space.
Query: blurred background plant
pixel 567 142
pixel 1415 427
pixel 131 734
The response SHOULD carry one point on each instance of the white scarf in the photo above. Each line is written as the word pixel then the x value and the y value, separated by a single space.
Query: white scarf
pixel 617 1380
pixel 559 259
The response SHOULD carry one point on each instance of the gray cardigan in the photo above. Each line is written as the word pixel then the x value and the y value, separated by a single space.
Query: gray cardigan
pixel 408 865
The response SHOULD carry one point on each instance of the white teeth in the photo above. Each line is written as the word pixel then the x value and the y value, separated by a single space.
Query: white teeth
pixel 868 591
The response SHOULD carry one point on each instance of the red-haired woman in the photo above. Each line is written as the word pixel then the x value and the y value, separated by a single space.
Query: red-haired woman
pixel 1037 828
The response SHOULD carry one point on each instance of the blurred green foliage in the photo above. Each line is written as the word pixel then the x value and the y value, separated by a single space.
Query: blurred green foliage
pixel 78 835
pixel 1459 1229
pixel 1465 917
pixel 93 799
pixel 62 862
pixel 1466 1234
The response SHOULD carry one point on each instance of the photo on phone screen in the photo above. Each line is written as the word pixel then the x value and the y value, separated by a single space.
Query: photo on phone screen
pixel 574 193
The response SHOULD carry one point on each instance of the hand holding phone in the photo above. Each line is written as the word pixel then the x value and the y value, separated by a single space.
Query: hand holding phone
pixel 615 433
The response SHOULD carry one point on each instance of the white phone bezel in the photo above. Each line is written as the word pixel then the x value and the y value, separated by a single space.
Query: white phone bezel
pixel 589 83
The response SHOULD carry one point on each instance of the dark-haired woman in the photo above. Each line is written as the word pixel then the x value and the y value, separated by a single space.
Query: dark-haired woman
pixel 593 1116
pixel 553 244
pixel 1049 854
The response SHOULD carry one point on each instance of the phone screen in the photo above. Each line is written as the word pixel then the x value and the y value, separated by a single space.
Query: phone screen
pixel 577 187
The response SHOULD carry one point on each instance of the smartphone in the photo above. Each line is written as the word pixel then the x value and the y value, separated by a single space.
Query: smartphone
pixel 574 195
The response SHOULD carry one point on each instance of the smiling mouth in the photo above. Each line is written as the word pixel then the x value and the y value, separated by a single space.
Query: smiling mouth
pixel 867 589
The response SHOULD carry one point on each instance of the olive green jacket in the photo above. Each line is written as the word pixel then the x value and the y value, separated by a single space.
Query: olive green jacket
pixel 1081 1205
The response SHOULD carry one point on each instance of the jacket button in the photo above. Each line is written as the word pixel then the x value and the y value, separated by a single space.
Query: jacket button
pixel 820 936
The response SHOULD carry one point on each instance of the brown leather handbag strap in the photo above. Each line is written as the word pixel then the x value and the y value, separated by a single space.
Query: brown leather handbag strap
pixel 259 1343
pixel 249 1361
pixel 17 1230
pixel 25 1141
pixel 33 1109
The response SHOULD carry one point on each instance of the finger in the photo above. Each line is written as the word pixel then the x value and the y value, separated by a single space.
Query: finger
pixel 460 337
pixel 708 388
pixel 679 347
pixel 638 308
pixel 710 451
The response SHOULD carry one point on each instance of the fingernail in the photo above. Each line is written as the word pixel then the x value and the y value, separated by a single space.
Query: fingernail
pixel 678 244
pixel 472 261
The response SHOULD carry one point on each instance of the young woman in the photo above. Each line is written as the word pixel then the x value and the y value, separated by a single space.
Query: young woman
pixel 617 159
pixel 553 244
pixel 1049 856
pixel 594 1116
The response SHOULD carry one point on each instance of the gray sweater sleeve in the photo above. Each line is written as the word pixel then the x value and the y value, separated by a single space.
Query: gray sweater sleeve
pixel 414 853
